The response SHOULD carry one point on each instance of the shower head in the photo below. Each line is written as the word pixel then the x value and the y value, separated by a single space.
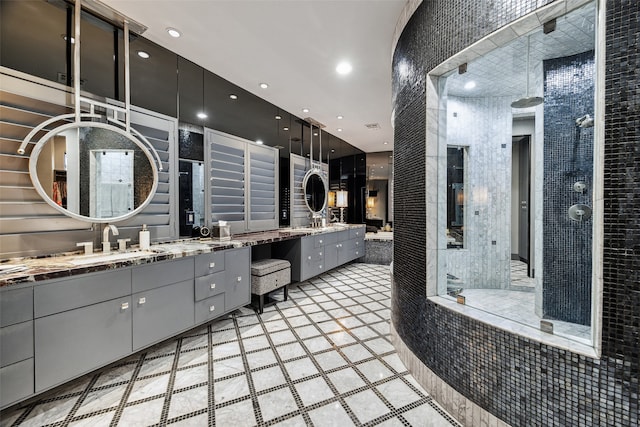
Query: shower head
pixel 585 121
pixel 526 102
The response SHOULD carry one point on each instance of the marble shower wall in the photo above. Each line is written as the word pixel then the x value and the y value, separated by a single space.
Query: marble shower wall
pixel 483 125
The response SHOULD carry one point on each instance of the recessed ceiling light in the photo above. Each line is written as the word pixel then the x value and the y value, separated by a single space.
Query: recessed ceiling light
pixel 278 117
pixel 173 32
pixel 339 129
pixel 143 54
pixel 470 85
pixel 264 85
pixel 233 96
pixel 333 151
pixel 285 128
pixel 315 134
pixel 64 37
pixel 340 117
pixel 259 142
pixel 344 68
pixel 305 110
pixel 381 167
pixel 202 115
pixel 385 143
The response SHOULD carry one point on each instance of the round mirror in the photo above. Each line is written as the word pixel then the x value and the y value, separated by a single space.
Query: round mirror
pixel 93 171
pixel 315 191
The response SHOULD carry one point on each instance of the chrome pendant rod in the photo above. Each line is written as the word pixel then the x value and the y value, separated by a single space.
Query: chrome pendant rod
pixel 311 143
pixel 127 89
pixel 76 58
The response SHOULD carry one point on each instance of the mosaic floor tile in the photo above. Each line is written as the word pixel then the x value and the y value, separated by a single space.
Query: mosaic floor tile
pixel 280 368
pixel 366 406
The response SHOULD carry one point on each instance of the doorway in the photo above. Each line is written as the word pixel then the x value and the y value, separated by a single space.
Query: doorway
pixel 521 201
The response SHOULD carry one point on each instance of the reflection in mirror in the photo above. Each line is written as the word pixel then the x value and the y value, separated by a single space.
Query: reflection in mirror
pixel 455 197
pixel 378 198
pixel 191 204
pixel 94 172
pixel 111 183
pixel 315 191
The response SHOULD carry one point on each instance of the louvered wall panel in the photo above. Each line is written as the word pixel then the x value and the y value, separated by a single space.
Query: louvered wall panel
pixel 263 187
pixel 299 210
pixel 29 226
pixel 227 168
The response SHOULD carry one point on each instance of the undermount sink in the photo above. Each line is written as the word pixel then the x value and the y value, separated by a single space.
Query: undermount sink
pixel 112 257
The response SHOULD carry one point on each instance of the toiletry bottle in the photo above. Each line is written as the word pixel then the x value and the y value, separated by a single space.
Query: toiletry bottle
pixel 144 238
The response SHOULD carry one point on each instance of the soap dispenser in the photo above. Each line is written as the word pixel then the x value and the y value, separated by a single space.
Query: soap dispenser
pixel 144 238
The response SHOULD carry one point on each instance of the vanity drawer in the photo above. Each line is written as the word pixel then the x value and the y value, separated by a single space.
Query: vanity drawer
pixel 159 274
pixel 16 382
pixel 209 263
pixel 209 308
pixel 56 297
pixel 17 343
pixel 16 306
pixel 329 238
pixel 357 232
pixel 210 285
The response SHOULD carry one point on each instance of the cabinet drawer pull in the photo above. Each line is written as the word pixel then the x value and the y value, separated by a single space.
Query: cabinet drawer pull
pixel 320 241
pixel 357 253
pixel 142 300
pixel 212 308
pixel 357 243
pixel 320 253
pixel 239 278
pixel 212 286
pixel 309 257
pixel 212 265
pixel 124 306
pixel 320 267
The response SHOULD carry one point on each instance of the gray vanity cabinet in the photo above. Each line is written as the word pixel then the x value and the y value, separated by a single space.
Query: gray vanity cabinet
pixel 16 351
pixel 162 312
pixel 80 324
pixel 312 256
pixel 238 278
pixel 77 341
pixel 210 286
pixel 162 300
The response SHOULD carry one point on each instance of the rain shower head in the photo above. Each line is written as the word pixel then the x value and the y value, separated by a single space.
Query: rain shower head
pixel 526 102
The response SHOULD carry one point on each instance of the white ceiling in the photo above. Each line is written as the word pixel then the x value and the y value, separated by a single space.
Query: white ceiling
pixel 294 46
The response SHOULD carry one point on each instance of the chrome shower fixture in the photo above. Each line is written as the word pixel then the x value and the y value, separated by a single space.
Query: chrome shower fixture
pixel 585 121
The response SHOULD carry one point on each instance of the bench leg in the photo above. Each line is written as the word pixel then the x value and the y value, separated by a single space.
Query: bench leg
pixel 261 305
pixel 286 292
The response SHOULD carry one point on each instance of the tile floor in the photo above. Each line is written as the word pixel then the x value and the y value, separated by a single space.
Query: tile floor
pixel 323 358
pixel 518 303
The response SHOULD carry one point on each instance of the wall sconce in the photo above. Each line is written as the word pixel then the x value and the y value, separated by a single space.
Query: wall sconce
pixel 331 199
pixel 371 202
pixel 342 201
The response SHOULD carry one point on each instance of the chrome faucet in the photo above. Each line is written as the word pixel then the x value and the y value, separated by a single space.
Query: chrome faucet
pixel 106 244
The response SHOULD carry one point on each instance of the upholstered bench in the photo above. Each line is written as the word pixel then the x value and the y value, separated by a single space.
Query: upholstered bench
pixel 268 275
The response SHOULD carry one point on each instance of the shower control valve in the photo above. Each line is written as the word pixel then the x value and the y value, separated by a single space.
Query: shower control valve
pixel 579 187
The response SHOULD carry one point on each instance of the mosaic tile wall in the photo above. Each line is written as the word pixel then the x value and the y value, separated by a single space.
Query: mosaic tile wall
pixel 521 381
pixel 568 159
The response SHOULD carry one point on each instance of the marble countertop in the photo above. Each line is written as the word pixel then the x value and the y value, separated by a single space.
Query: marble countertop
pixel 379 236
pixel 17 271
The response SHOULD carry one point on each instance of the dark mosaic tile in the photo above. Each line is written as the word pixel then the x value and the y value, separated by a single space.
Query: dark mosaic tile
pixel 522 381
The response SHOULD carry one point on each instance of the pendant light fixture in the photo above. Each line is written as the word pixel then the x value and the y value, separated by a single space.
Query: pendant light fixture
pixel 527 101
